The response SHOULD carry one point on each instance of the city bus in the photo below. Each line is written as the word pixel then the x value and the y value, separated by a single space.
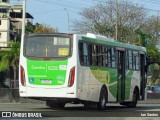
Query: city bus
pixel 87 68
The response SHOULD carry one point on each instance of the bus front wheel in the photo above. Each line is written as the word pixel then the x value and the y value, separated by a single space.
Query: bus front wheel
pixel 103 99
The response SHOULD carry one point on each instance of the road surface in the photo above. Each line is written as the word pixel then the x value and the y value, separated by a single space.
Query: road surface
pixel 151 111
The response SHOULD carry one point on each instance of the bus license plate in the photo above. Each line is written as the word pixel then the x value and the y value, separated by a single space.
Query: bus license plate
pixel 46 81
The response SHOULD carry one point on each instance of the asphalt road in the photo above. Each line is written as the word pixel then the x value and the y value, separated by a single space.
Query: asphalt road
pixel 113 111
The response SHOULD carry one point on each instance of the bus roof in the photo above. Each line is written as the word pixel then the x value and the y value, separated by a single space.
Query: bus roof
pixel 110 42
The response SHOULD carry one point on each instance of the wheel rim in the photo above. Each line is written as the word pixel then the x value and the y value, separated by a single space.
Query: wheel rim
pixel 103 101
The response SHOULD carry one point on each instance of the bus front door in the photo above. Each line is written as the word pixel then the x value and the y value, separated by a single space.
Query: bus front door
pixel 121 76
pixel 143 75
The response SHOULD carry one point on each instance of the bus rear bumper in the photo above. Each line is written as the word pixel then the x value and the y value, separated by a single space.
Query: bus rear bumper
pixel 32 92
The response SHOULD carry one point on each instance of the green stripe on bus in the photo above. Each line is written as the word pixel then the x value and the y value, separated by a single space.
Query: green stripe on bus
pixel 109 76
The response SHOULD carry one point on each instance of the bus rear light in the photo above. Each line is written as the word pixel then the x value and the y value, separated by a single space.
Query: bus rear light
pixel 22 76
pixel 71 77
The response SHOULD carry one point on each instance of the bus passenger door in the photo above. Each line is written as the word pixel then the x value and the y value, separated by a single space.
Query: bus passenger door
pixel 121 76
pixel 143 75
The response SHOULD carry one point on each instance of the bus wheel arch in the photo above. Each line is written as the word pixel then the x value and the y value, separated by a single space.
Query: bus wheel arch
pixel 103 98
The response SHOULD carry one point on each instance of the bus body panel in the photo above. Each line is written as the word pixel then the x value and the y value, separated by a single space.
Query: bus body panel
pixel 132 80
pixel 88 86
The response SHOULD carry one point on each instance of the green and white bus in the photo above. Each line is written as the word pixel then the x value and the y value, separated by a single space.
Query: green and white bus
pixel 72 68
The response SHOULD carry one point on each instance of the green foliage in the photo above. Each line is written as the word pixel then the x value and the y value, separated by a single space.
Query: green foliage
pixel 143 38
pixel 30 29
pixel 153 52
pixel 10 57
pixel 40 28
pixel 4 62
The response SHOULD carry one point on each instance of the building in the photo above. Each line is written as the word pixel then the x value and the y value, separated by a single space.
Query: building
pixel 4 22
pixel 16 21
pixel 11 22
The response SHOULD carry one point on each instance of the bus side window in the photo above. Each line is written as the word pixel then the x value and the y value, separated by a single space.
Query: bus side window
pixel 81 53
pixel 130 59
pixel 100 60
pixel 113 58
pixel 90 54
pixel 134 62
pixel 137 62
pixel 103 56
pixel 85 54
pixel 109 57
pixel 127 60
pixel 94 55
pixel 106 52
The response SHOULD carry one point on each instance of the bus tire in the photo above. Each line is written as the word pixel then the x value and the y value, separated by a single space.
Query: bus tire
pixel 134 100
pixel 102 99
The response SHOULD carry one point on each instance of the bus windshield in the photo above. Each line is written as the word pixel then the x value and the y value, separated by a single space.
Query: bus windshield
pixel 47 47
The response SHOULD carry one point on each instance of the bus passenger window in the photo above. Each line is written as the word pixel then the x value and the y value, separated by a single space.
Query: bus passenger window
pixel 85 54
pixel 103 56
pixel 134 62
pixel 81 53
pixel 113 58
pixel 90 53
pixel 127 60
pixel 130 59
pixel 94 55
pixel 137 62
pixel 109 58
pixel 106 55
pixel 100 60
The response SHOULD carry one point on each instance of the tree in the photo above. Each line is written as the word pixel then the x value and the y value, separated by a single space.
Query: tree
pixel 9 58
pixel 152 26
pixel 143 39
pixel 101 19
pixel 40 28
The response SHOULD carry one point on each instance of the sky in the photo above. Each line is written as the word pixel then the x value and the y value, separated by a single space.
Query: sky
pixel 55 12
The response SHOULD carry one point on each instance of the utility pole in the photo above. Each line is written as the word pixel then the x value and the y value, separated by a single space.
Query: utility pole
pixel 68 20
pixel 18 2
pixel 23 20
pixel 116 20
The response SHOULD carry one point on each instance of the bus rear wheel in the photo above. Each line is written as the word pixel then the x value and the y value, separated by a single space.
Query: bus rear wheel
pixel 134 100
pixel 103 99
